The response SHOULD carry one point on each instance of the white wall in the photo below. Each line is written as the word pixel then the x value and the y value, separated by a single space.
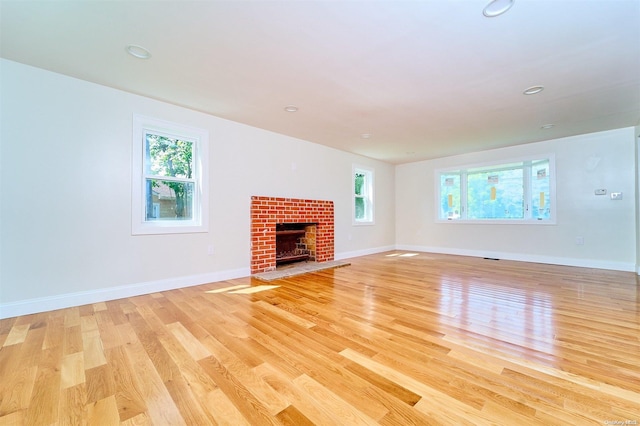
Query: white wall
pixel 608 227
pixel 637 144
pixel 65 181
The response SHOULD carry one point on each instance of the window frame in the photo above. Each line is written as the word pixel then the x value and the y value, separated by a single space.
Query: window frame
pixel 495 166
pixel 200 157
pixel 368 196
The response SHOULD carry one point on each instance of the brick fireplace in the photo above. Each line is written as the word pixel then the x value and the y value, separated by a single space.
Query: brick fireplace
pixel 267 212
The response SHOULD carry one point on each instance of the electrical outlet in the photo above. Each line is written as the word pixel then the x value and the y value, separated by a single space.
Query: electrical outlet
pixel 579 241
pixel 616 195
pixel 600 191
pixel 210 249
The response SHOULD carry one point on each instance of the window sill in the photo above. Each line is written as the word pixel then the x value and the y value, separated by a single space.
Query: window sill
pixel 166 228
pixel 371 223
pixel 499 222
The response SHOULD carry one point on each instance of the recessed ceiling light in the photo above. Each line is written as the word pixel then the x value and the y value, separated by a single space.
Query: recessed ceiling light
pixel 497 7
pixel 366 136
pixel 291 108
pixel 547 126
pixel 138 51
pixel 533 90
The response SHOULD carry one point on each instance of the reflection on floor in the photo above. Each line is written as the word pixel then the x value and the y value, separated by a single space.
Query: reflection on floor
pixel 242 289
pixel 299 269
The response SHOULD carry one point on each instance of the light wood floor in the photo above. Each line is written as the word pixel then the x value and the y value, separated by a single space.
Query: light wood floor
pixel 391 339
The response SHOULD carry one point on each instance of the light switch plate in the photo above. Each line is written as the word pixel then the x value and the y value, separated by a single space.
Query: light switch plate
pixel 616 195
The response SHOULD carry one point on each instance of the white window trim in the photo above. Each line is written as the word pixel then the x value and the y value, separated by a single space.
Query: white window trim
pixel 527 194
pixel 370 189
pixel 200 137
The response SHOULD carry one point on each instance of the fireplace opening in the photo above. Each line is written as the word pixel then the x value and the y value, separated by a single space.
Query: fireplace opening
pixel 295 242
pixel 266 212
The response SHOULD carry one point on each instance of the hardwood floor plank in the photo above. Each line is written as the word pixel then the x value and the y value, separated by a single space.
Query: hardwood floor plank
pixel 223 410
pixel 103 411
pixel 92 350
pixel 10 359
pixel 384 384
pixel 73 409
pixel 325 368
pixel 285 315
pixel 72 370
pixel 6 324
pixel 276 355
pixel 13 419
pixel 160 406
pixel 54 330
pixel 16 390
pixel 44 403
pixel 72 340
pixel 129 399
pixel 156 345
pixel 72 317
pixel 250 407
pixel 401 379
pixel 139 420
pixel 337 408
pixel 116 312
pixel 17 334
pixel 395 338
pixel 189 368
pixel 242 373
pixel 188 405
pixel 291 416
pixel 192 345
pixel 100 383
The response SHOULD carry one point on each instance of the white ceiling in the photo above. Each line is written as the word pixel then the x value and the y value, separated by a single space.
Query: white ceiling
pixel 426 78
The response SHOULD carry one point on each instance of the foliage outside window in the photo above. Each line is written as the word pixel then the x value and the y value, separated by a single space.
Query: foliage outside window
pixel 168 178
pixel 169 169
pixel 363 196
pixel 521 191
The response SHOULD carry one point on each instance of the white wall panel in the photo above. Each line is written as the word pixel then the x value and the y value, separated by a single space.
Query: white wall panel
pixel 66 190
pixel 608 227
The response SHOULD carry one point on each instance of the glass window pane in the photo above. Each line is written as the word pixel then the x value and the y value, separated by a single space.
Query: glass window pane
pixel 360 208
pixel 541 201
pixel 496 194
pixel 450 196
pixel 168 157
pixel 359 183
pixel 168 200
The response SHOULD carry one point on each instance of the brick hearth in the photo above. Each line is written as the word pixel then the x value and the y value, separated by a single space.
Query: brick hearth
pixel 267 211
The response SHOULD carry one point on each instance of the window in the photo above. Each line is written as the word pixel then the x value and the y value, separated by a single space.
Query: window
pixel 362 196
pixel 519 191
pixel 169 193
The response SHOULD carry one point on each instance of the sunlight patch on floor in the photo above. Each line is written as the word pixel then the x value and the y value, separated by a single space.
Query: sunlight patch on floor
pixel 255 289
pixel 242 289
pixel 226 289
pixel 402 254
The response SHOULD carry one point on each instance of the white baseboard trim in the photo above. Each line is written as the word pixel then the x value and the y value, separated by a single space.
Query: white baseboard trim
pixel 565 261
pixel 50 303
pixel 365 252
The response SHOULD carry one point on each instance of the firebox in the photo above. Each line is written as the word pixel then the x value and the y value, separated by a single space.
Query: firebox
pixel 266 212
pixel 295 242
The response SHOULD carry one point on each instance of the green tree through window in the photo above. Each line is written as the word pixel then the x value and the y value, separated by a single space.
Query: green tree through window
pixel 169 181
pixel 363 196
